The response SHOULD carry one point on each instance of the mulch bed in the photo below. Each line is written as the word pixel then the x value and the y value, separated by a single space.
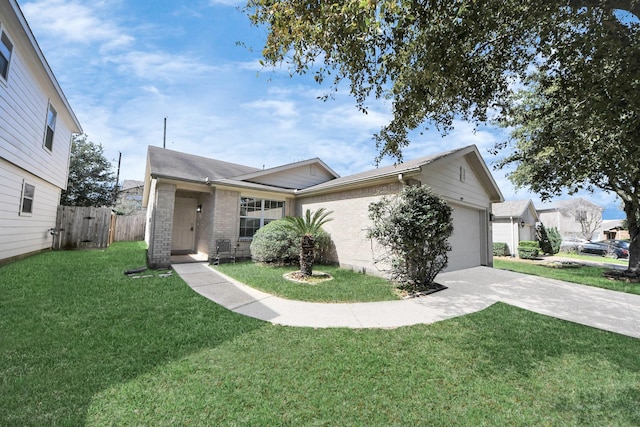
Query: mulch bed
pixel 314 279
pixel 622 276
pixel 434 287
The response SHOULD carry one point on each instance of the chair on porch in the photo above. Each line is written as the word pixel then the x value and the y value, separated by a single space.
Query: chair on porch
pixel 224 251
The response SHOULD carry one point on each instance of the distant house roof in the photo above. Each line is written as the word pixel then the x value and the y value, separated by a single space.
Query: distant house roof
pixel 611 224
pixel 128 184
pixel 513 208
pixel 563 204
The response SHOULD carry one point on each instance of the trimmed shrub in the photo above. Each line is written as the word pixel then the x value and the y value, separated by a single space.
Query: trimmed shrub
pixel 549 239
pixel 555 238
pixel 543 240
pixel 500 249
pixel 528 249
pixel 413 228
pixel 277 243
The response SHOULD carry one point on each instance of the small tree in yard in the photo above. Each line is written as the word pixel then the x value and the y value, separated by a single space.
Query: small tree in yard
pixel 413 227
pixel 91 180
pixel 307 227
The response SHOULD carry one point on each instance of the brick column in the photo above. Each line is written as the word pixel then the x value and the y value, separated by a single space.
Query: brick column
pixel 159 254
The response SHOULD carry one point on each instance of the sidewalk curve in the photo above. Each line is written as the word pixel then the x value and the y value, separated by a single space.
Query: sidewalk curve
pixel 469 290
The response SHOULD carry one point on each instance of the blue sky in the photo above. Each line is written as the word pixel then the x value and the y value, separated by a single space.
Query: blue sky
pixel 125 65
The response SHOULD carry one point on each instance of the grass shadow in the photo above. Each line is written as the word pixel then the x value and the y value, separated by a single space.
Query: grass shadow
pixel 73 324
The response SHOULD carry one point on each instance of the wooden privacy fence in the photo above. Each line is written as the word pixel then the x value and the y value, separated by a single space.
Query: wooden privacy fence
pixel 80 227
pixel 130 228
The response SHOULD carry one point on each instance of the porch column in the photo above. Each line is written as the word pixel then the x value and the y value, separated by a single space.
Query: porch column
pixel 159 254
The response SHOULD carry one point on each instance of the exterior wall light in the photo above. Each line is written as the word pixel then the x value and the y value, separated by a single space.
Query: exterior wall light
pixel 199 208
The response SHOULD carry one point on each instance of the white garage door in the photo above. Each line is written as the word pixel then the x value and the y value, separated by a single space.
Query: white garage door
pixel 465 240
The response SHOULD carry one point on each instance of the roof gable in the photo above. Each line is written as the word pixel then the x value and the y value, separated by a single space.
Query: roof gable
pixel 292 176
pixel 413 167
pixel 513 208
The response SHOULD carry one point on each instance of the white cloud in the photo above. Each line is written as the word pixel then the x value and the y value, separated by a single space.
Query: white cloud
pixel 74 22
pixel 235 3
pixel 160 66
pixel 273 107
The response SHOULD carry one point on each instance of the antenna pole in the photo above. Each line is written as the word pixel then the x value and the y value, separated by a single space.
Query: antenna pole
pixel 164 139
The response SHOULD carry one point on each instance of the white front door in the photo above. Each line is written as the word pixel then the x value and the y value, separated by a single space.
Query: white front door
pixel 184 225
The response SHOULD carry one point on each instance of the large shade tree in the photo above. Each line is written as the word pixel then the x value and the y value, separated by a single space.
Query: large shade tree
pixel 91 180
pixel 573 63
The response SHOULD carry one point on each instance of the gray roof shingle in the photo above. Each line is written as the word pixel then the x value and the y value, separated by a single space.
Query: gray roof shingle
pixel 188 167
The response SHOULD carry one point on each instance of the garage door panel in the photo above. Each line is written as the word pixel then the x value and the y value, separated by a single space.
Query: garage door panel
pixel 465 240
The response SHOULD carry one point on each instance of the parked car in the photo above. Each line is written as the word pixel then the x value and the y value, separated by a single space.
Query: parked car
pixel 572 244
pixel 614 248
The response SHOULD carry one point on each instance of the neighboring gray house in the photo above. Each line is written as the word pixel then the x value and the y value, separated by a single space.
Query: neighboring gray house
pixel 514 221
pixel 194 201
pixel 36 124
pixel 576 217
pixel 129 197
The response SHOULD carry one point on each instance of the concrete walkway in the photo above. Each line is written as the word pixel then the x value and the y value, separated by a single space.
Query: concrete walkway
pixel 468 291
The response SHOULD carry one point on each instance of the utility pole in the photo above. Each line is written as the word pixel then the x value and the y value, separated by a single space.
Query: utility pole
pixel 115 189
pixel 164 139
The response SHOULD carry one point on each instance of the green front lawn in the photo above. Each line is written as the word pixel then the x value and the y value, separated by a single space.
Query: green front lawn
pixel 586 275
pixel 81 344
pixel 346 286
pixel 594 258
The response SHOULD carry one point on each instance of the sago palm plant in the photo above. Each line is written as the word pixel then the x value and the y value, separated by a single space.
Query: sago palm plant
pixel 307 227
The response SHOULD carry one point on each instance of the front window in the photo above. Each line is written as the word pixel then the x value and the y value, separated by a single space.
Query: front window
pixel 26 204
pixel 51 128
pixel 5 55
pixel 256 213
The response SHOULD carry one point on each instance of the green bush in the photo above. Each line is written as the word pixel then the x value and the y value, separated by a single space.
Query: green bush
pixel 413 228
pixel 500 249
pixel 555 238
pixel 549 239
pixel 543 240
pixel 277 243
pixel 528 249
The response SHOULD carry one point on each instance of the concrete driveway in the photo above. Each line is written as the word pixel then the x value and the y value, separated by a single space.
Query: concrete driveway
pixel 468 291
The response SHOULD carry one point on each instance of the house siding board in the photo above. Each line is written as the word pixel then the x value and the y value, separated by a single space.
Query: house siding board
pixel 20 234
pixel 444 179
pixel 503 232
pixel 23 104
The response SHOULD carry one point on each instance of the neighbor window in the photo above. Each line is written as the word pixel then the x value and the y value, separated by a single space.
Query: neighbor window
pixel 26 204
pixel 256 213
pixel 581 216
pixel 5 54
pixel 51 128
